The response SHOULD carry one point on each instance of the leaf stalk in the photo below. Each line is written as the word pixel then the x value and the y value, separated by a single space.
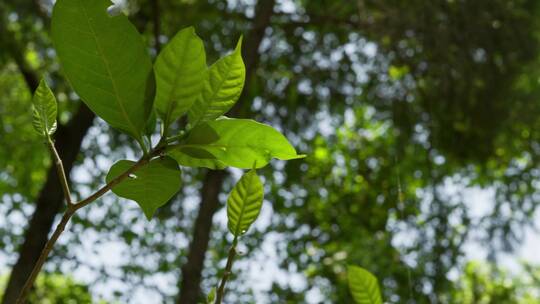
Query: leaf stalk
pixel 60 170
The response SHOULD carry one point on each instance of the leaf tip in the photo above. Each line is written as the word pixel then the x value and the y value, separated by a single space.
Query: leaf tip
pixel 239 43
pixel 149 213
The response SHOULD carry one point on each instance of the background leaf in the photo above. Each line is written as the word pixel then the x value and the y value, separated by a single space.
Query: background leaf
pixel 364 286
pixel 244 203
pixel 44 110
pixel 222 88
pixel 106 62
pixel 151 186
pixel 180 75
pixel 211 296
pixel 233 142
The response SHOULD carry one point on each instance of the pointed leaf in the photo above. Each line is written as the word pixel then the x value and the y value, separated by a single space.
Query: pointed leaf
pixel 244 203
pixel 364 286
pixel 233 142
pixel 106 61
pixel 180 75
pixel 222 89
pixel 151 186
pixel 44 110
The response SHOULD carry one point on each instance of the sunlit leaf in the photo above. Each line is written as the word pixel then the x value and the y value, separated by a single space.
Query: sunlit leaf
pixel 151 186
pixel 237 143
pixel 44 110
pixel 364 286
pixel 222 89
pixel 244 203
pixel 106 61
pixel 180 75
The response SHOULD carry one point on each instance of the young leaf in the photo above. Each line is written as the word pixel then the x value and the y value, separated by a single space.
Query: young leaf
pixel 151 186
pixel 244 203
pixel 106 61
pixel 211 296
pixel 180 75
pixel 233 142
pixel 364 286
pixel 44 110
pixel 222 89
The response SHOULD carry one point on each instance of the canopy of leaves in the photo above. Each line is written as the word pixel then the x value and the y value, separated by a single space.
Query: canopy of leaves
pixel 395 103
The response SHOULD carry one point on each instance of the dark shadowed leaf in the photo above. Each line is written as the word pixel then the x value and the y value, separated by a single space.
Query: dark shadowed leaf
pixel 151 124
pixel 151 186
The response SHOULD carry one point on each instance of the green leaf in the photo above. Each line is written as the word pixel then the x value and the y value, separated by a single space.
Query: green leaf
pixel 232 142
pixel 364 286
pixel 211 296
pixel 151 186
pixel 106 61
pixel 222 88
pixel 180 75
pixel 151 124
pixel 44 110
pixel 244 203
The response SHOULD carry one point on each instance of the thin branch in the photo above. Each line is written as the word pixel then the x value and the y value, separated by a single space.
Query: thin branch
pixel 44 254
pixel 228 271
pixel 61 172
pixel 143 161
pixel 70 211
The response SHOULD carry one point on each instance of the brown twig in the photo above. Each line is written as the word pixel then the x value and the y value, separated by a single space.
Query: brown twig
pixel 44 254
pixel 228 271
pixel 70 211
pixel 61 172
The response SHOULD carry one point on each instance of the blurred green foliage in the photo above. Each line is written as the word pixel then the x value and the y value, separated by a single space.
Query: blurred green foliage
pixel 57 289
pixel 394 102
pixel 485 284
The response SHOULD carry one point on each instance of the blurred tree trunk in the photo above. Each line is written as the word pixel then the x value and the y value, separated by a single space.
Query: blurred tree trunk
pixel 50 199
pixel 49 202
pixel 192 271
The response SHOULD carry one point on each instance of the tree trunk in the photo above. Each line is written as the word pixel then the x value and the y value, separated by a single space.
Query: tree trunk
pixel 192 271
pixel 201 236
